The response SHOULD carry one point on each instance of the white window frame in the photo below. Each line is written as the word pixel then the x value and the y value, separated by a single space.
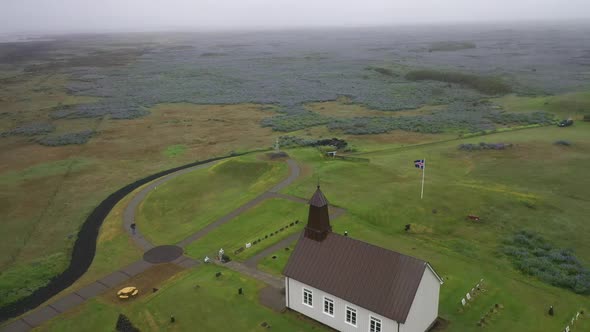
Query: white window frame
pixel 305 292
pixel 376 321
pixel 353 312
pixel 330 301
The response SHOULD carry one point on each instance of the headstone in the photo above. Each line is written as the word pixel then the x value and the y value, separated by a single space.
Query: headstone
pixel 248 245
pixel 463 302
pixel 220 255
pixel 577 316
pixel 345 233
pixel 472 290
pixel 468 296
pixel 551 312
pixel 172 319
pixel 567 329
pixel 207 259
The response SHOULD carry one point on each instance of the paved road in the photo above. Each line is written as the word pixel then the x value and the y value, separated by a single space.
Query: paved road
pixel 47 312
pixel 129 214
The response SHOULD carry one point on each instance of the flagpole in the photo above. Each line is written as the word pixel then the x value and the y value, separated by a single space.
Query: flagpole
pixel 423 171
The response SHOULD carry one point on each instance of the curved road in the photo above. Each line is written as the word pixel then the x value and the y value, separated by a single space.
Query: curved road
pixel 169 253
pixel 140 240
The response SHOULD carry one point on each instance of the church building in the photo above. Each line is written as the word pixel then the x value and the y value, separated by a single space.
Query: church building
pixel 351 285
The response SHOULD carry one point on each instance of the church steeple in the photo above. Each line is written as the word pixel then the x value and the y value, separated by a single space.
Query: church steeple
pixel 318 222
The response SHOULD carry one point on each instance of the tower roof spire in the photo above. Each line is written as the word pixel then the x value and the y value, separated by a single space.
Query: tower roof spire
pixel 318 222
pixel 318 199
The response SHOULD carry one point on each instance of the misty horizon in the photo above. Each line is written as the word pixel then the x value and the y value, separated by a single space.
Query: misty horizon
pixel 69 16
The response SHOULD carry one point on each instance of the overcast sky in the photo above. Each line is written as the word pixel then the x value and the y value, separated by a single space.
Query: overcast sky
pixel 97 15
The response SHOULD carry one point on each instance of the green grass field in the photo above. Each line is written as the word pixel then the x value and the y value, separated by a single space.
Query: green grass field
pixel 261 220
pixel 214 306
pixel 184 205
pixel 536 186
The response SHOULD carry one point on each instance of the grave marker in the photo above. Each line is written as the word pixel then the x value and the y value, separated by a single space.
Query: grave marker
pixel 468 296
pixel 463 302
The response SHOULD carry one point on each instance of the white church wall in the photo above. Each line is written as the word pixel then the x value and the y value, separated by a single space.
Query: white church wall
pixel 294 298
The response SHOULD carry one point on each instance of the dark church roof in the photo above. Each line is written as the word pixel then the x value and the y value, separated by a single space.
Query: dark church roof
pixel 377 279
pixel 318 199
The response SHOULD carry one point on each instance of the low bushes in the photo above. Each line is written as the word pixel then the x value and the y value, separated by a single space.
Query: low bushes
pixel 533 255
pixel 487 85
pixel 563 142
pixel 30 129
pixel 67 139
pixel 292 122
pixel 298 141
pixel 450 46
pixel 484 146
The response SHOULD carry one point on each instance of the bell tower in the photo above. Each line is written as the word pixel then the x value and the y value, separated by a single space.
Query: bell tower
pixel 318 222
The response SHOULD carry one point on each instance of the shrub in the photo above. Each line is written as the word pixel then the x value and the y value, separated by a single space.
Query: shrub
pixel 66 139
pixel 484 146
pixel 563 142
pixel 125 325
pixel 534 256
pixel 487 85
pixel 450 46
pixel 292 122
pixel 298 141
pixel 30 129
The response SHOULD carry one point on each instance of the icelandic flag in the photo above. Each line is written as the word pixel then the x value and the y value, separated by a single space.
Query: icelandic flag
pixel 419 163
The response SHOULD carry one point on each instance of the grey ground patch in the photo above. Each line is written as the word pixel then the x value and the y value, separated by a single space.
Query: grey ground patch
pixel 40 316
pixel 272 298
pixel 162 254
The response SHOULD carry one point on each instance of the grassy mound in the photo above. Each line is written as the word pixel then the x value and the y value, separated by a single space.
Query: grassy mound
pixel 450 46
pixel 184 205
pixel 487 85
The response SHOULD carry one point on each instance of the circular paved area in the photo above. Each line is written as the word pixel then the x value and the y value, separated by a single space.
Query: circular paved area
pixel 162 254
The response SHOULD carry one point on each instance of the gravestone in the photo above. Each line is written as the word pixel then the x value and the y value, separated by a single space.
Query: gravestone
pixel 468 296
pixel 463 302
pixel 248 245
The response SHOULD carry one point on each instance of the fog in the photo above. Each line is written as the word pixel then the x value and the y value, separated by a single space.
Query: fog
pixel 38 16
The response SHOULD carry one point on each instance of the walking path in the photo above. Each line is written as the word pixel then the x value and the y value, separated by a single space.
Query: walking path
pixel 170 253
